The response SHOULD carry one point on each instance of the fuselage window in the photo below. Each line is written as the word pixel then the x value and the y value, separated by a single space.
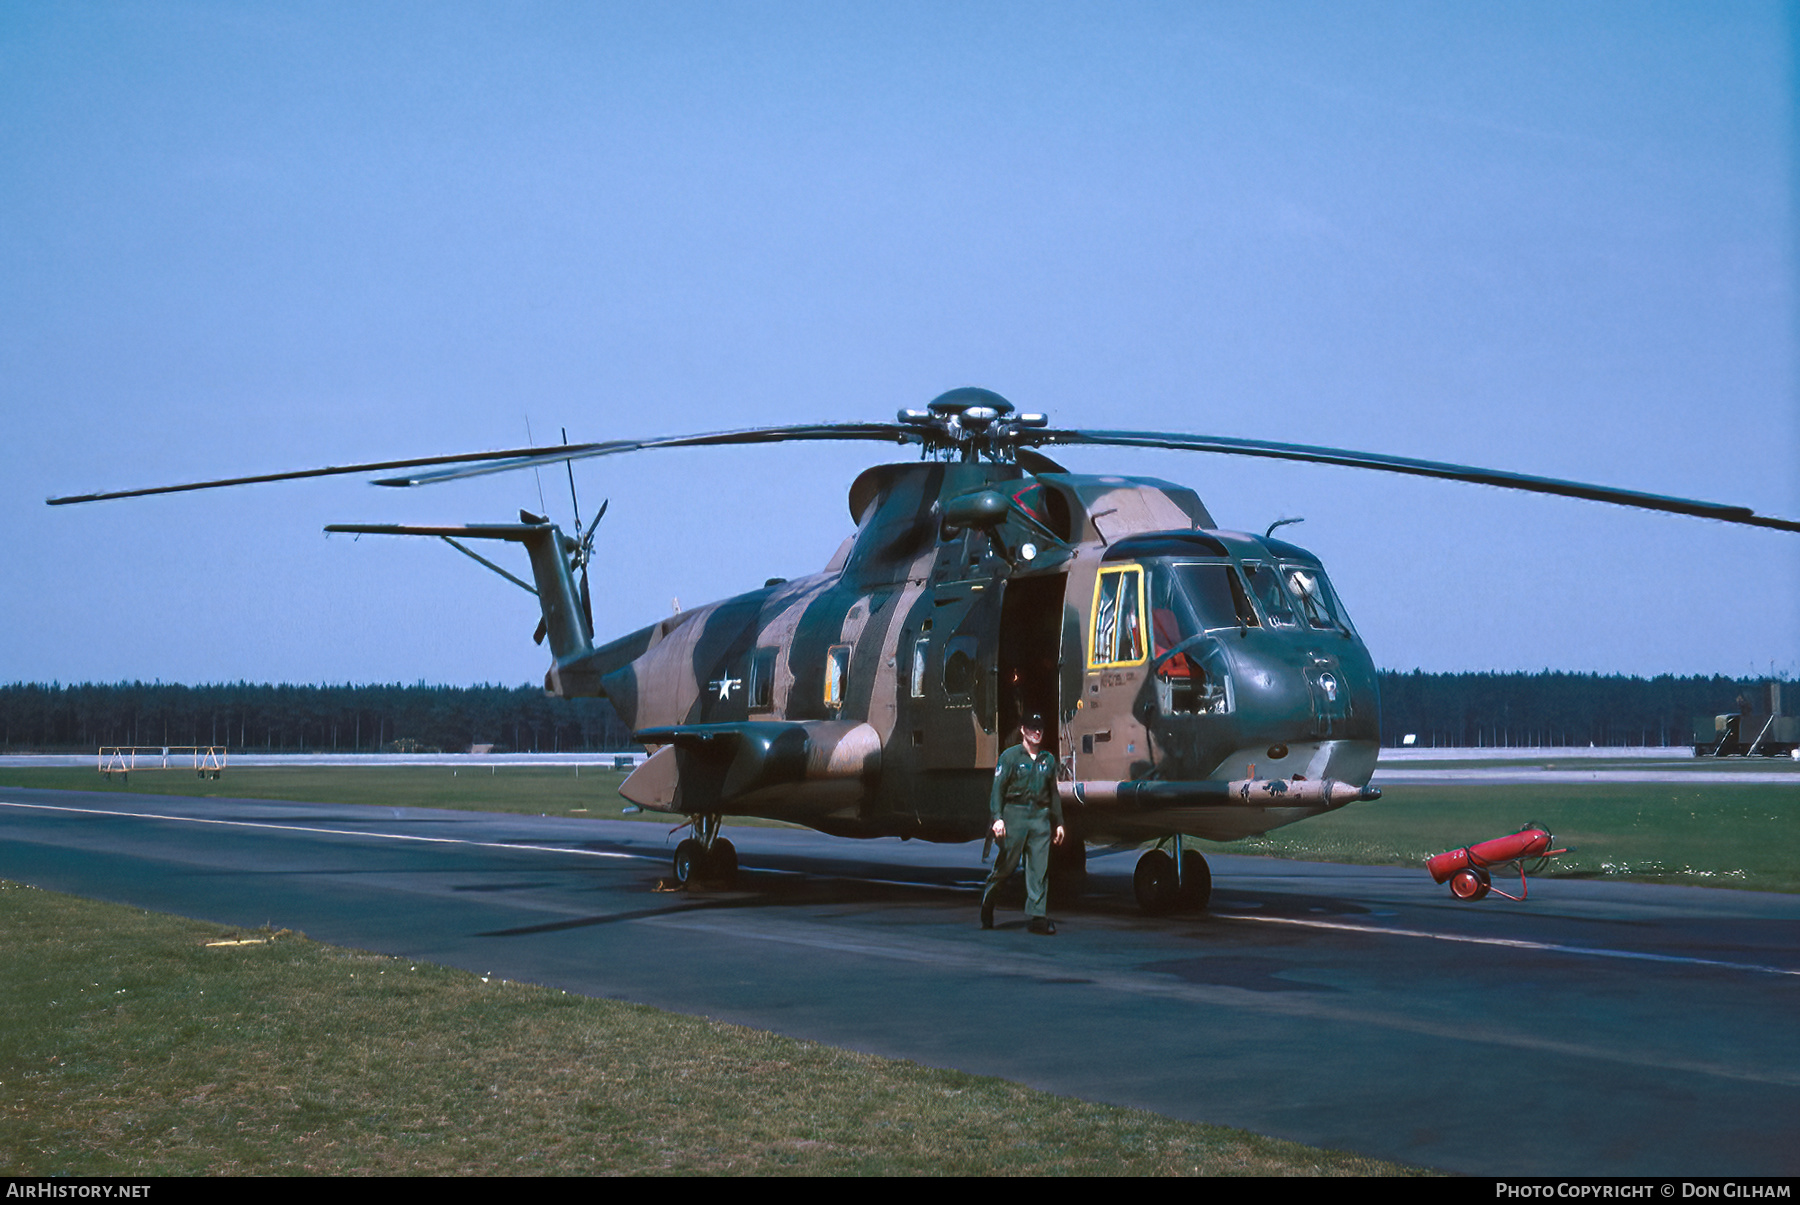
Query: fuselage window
pixel 921 651
pixel 1118 635
pixel 762 679
pixel 837 675
pixel 959 668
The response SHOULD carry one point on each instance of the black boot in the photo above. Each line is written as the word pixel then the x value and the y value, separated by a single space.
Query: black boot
pixel 1043 926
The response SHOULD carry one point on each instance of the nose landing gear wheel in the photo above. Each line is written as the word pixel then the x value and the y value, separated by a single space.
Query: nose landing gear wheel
pixel 1154 883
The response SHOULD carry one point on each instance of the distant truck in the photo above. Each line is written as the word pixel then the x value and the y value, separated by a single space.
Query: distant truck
pixel 1756 727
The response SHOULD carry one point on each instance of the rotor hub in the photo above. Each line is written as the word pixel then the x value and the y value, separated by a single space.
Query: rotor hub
pixel 970 423
pixel 969 397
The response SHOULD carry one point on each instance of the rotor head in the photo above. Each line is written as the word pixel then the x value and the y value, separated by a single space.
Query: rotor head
pixel 970 423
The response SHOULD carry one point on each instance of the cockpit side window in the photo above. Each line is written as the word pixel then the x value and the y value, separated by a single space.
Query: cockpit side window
pixel 1186 601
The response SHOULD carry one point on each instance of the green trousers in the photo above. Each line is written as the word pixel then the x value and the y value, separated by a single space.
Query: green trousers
pixel 1028 830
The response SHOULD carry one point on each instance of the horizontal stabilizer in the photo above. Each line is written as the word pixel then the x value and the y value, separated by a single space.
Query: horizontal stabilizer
pixel 519 533
pixel 571 646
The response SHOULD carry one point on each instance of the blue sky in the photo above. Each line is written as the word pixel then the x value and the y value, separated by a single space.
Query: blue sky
pixel 1551 238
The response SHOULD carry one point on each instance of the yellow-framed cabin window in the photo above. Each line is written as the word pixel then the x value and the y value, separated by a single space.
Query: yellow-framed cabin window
pixel 1118 627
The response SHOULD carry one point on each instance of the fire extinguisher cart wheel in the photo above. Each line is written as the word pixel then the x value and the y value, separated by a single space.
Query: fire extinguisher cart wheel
pixel 1470 883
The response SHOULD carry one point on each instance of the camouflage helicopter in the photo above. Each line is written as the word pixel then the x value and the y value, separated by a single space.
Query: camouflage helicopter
pixel 1202 682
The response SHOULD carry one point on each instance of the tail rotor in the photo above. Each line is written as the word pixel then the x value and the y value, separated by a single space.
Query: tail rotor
pixel 583 552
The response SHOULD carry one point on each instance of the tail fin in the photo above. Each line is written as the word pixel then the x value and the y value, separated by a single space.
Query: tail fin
pixel 572 670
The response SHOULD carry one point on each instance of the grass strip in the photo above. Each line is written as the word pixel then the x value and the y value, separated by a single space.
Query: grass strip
pixel 529 790
pixel 1701 834
pixel 135 1044
pixel 590 792
pixel 1748 766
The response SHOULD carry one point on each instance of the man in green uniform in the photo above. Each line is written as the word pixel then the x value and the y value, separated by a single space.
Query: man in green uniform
pixel 1027 818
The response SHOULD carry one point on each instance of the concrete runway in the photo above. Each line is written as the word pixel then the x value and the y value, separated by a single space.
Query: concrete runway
pixel 1600 1028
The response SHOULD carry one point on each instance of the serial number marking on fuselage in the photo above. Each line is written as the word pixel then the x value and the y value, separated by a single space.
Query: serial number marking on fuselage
pixel 335 832
pixel 1512 943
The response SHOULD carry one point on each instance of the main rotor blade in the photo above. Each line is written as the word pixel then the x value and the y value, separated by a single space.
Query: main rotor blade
pixel 1229 446
pixel 879 432
pixel 507 459
pixel 295 475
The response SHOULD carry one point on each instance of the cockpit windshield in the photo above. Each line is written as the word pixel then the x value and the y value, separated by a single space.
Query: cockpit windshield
pixel 1193 598
pixel 1265 585
pixel 1314 597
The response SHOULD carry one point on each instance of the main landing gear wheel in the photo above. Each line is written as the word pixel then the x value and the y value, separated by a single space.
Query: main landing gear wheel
pixel 1154 883
pixel 722 863
pixel 690 858
pixel 696 865
pixel 706 858
pixel 1470 883
pixel 1196 880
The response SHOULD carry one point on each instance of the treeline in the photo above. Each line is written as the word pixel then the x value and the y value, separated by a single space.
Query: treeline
pixel 1551 708
pixel 304 719
pixel 1483 709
